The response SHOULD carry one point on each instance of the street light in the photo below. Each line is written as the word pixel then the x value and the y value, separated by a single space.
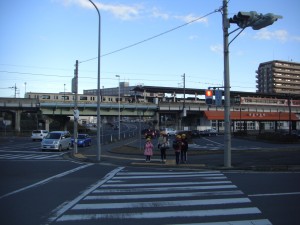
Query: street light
pixel 98 88
pixel 243 20
pixel 119 109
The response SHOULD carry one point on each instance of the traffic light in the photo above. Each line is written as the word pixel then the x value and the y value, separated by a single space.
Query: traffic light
pixel 244 19
pixel 209 97
pixel 254 20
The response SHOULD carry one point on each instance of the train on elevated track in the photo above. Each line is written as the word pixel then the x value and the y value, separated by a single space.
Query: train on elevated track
pixel 90 99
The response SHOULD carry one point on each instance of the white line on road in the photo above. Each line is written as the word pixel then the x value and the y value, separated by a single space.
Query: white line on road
pixel 62 209
pixel 274 194
pixel 151 215
pixel 116 190
pixel 241 222
pixel 165 184
pixel 163 195
pixel 165 173
pixel 212 141
pixel 45 181
pixel 156 204
pixel 168 176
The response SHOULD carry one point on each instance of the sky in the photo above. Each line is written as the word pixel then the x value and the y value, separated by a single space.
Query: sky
pixel 40 42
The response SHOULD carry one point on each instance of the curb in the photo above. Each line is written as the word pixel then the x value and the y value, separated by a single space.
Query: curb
pixel 171 164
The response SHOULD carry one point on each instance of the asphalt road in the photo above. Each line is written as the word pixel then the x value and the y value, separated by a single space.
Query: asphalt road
pixel 46 188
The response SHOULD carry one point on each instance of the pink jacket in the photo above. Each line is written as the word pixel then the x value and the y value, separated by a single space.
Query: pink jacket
pixel 148 150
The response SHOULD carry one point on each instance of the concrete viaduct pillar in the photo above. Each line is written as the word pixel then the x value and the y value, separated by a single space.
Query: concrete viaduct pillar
pixel 17 119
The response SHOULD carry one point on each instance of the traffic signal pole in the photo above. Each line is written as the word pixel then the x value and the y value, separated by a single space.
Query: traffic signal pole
pixel 243 20
pixel 227 130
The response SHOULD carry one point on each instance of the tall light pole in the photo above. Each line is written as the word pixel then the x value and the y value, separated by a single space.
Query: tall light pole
pixel 98 89
pixel 119 108
pixel 243 20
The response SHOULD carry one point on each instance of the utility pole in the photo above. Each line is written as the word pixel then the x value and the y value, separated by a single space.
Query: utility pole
pixel 183 92
pixel 76 111
pixel 227 131
pixel 15 87
pixel 119 112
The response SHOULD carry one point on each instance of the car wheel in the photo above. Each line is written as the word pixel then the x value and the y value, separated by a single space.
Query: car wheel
pixel 59 148
pixel 69 145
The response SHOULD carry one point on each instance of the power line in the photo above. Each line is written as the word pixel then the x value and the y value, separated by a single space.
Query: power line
pixel 153 37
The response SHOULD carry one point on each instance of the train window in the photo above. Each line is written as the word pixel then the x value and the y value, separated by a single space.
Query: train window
pixel 83 98
pixel 45 97
pixel 65 97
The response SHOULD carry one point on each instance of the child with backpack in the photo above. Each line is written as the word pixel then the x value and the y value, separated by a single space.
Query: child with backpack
pixel 177 148
pixel 148 149
pixel 184 148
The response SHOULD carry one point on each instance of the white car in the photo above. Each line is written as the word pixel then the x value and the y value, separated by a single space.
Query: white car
pixel 57 140
pixel 170 131
pixel 38 134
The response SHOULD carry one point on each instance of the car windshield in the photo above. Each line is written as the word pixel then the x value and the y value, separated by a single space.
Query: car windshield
pixel 81 136
pixel 53 136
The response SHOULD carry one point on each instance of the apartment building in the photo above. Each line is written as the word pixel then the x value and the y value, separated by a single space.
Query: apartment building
pixel 278 77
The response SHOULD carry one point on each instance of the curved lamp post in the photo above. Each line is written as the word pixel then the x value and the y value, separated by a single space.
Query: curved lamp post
pixel 98 90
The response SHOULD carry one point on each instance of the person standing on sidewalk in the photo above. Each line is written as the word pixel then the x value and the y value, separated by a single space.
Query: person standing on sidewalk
pixel 148 149
pixel 177 148
pixel 163 145
pixel 184 148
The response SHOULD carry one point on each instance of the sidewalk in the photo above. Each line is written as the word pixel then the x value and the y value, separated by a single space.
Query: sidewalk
pixel 127 153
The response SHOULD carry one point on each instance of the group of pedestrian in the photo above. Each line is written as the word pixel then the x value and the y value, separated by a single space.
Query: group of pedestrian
pixel 180 147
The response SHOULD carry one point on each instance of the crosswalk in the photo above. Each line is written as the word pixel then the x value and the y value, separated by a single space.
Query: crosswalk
pixel 164 197
pixel 30 156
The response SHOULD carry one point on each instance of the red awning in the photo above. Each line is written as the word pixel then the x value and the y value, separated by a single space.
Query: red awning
pixel 252 116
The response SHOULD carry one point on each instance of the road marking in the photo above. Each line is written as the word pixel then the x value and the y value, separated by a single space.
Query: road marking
pixel 167 173
pixel 169 176
pixel 241 222
pixel 156 204
pixel 166 184
pixel 152 215
pixel 45 180
pixel 212 141
pixel 65 207
pixel 274 194
pixel 26 156
pixel 164 195
pixel 123 197
pixel 111 190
